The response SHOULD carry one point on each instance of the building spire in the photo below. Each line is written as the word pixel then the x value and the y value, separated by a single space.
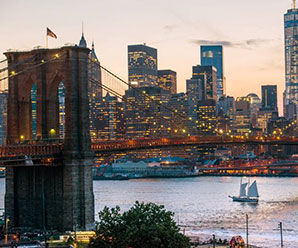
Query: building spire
pixel 83 42
pixel 294 4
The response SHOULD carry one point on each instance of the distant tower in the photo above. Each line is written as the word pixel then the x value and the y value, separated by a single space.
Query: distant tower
pixel 291 62
pixel 142 66
pixel 213 55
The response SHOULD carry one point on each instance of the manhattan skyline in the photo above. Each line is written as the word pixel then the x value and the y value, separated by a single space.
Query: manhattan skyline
pixel 253 44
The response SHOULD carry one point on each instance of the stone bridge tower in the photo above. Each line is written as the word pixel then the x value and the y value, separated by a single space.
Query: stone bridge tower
pixel 59 196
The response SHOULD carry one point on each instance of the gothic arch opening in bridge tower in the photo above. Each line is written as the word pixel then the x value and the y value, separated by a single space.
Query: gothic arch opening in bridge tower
pixel 61 100
pixel 56 108
pixel 33 110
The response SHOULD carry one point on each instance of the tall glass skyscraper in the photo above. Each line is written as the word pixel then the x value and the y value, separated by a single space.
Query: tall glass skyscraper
pixel 291 59
pixel 269 97
pixel 213 55
pixel 142 66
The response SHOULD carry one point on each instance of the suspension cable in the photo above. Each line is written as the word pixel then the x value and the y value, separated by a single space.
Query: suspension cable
pixel 2 61
pixel 13 74
pixel 17 64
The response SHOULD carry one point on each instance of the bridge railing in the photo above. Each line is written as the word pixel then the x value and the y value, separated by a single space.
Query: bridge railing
pixel 49 148
pixel 31 149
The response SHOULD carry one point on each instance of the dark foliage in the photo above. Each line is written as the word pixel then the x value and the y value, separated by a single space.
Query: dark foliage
pixel 143 226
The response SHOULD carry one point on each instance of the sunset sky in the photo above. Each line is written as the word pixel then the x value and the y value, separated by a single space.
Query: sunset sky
pixel 251 32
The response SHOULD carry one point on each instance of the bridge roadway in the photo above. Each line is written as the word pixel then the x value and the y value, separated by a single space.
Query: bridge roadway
pixel 41 148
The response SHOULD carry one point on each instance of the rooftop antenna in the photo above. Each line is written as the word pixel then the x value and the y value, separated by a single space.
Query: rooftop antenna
pixel 83 27
pixel 294 4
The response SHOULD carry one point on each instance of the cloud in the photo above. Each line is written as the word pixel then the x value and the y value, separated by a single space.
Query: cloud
pixel 169 28
pixel 238 44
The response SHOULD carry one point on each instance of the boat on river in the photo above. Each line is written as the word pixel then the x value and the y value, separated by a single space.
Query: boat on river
pixel 248 193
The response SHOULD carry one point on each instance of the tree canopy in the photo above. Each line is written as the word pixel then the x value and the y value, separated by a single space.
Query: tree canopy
pixel 145 225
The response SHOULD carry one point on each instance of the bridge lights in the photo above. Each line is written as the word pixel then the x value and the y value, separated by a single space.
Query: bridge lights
pixel 57 55
pixel 52 133
pixel 13 73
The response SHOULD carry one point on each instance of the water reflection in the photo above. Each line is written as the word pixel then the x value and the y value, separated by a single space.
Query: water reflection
pixel 203 207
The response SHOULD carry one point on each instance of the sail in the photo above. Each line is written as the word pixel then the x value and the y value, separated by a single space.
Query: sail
pixel 253 190
pixel 243 189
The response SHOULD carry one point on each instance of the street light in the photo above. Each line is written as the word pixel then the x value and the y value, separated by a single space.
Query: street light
pixel 6 229
pixel 281 238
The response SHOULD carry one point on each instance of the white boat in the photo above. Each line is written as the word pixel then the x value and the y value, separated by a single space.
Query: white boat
pixel 250 195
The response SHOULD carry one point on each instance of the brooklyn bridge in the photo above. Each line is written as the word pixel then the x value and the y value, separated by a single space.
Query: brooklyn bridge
pixel 49 179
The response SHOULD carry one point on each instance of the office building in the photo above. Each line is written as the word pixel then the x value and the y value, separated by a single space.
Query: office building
pixel 167 79
pixel 269 97
pixel 208 74
pixel 145 112
pixel 226 104
pixel 278 126
pixel 225 112
pixel 255 104
pixel 110 119
pixel 207 117
pixel 142 66
pixel 242 116
pixel 265 115
pixel 195 90
pixel 291 60
pixel 213 55
pixel 179 106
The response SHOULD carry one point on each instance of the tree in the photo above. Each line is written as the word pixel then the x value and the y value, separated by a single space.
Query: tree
pixel 145 225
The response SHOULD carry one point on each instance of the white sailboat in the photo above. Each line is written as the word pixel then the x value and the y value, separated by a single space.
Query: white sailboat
pixel 251 195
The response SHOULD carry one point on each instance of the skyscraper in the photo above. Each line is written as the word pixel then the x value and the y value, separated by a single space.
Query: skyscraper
pixel 213 55
pixel 207 73
pixel 291 59
pixel 142 66
pixel 145 113
pixel 179 105
pixel 195 89
pixel 206 117
pixel 269 97
pixel 167 79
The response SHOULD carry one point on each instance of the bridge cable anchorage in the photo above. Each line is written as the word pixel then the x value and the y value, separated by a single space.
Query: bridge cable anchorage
pixel 181 118
pixel 13 73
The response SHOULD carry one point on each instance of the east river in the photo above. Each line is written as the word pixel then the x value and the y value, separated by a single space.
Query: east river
pixel 202 205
